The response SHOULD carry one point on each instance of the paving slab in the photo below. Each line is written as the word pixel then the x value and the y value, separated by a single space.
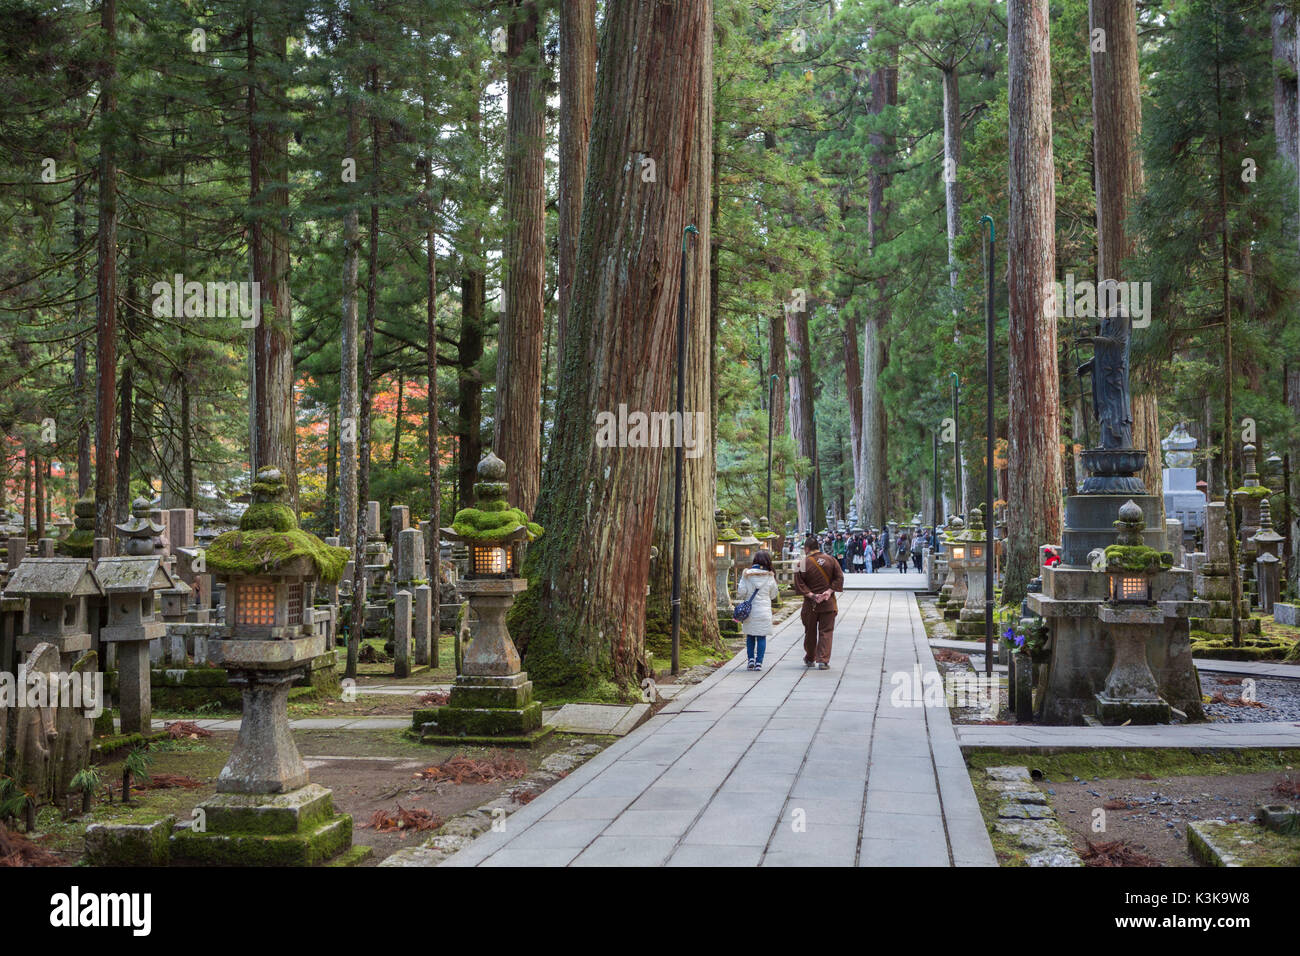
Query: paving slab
pixel 783 767
pixel 615 720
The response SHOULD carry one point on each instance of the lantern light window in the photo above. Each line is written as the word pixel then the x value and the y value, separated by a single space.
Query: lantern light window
pixel 256 604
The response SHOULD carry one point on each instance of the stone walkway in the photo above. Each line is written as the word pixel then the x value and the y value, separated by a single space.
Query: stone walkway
pixel 1222 735
pixel 785 767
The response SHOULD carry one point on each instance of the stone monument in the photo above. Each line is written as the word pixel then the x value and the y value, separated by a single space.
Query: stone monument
pixel 1184 502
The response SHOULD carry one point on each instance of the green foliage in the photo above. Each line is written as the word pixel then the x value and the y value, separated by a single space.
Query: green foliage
pixel 1137 559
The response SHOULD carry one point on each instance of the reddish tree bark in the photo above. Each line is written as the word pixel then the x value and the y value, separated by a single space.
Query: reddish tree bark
pixel 106 288
pixel 1033 427
pixel 519 345
pixel 577 94
pixel 582 621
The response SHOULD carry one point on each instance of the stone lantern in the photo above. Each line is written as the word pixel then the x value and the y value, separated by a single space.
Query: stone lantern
pixel 1248 497
pixel 1267 564
pixel 130 584
pixel 971 548
pixel 143 534
pixel 1131 694
pixel 492 699
pixel 955 586
pixel 722 564
pixel 265 810
pixel 56 591
pixel 744 547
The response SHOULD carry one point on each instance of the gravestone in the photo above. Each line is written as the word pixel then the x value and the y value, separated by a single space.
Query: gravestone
pixel 399 519
pixel 402 634
pixel 16 549
pixel 410 556
pixel 426 641
pixel 1184 502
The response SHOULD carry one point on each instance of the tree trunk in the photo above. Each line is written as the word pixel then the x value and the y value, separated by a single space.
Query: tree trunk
pixel 1033 425
pixel 519 343
pixel 1286 116
pixel 853 392
pixel 582 622
pixel 79 363
pixel 873 487
pixel 366 393
pixel 348 376
pixel 106 286
pixel 1117 124
pixel 273 336
pixel 803 422
pixel 431 407
pixel 577 92
pixel 952 160
pixel 469 390
pixel 699 618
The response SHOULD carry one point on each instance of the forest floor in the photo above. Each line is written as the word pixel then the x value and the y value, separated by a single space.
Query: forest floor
pixel 374 776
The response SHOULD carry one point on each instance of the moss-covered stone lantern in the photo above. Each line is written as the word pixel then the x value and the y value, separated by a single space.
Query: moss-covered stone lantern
pixel 1131 694
pixel 266 810
pixel 492 699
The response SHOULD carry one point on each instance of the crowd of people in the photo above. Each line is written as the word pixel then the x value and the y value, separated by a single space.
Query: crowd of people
pixel 866 552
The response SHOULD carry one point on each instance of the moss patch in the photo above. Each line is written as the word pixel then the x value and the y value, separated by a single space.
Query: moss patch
pixel 268 515
pixel 1137 559
pixel 493 522
pixel 1158 762
pixel 263 550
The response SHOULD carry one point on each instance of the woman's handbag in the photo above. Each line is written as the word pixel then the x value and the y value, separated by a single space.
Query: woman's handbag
pixel 743 609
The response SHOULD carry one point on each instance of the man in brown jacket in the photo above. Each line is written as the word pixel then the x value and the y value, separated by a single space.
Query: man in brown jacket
pixel 818 578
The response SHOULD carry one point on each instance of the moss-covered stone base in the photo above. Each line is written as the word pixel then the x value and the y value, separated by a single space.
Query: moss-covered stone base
pixel 456 722
pixel 1218 843
pixel 310 848
pixel 1223 625
pixel 129 844
pixel 508 740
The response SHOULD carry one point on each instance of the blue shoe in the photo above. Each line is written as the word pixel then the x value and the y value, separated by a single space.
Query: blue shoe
pixel 757 665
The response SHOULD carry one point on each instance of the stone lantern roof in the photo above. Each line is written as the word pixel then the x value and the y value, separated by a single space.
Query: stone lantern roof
pixel 269 541
pixel 493 523
pixel 133 575
pixel 976 530
pixel 54 578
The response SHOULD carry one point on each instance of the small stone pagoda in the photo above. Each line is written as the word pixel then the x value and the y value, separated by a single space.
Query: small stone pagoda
pixel 266 811
pixel 492 699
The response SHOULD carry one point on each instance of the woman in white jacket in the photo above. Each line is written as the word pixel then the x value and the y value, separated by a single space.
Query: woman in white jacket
pixel 758 581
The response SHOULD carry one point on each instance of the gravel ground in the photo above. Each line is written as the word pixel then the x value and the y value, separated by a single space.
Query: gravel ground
pixel 1278 699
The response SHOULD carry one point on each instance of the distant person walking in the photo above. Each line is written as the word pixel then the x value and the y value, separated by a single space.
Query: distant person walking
pixel 759 582
pixel 818 578
pixel 901 553
pixel 918 545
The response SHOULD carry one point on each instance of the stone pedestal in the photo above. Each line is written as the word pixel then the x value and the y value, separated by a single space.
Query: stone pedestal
pixel 1130 694
pixel 134 701
pixel 492 702
pixel 1071 601
pixel 265 811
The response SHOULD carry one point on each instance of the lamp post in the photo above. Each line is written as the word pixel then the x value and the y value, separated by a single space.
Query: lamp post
pixel 988 448
pixel 957 501
pixel 680 470
pixel 934 524
pixel 771 396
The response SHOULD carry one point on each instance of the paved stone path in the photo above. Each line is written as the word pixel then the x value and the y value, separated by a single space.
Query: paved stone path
pixel 788 766
pixel 1030 736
